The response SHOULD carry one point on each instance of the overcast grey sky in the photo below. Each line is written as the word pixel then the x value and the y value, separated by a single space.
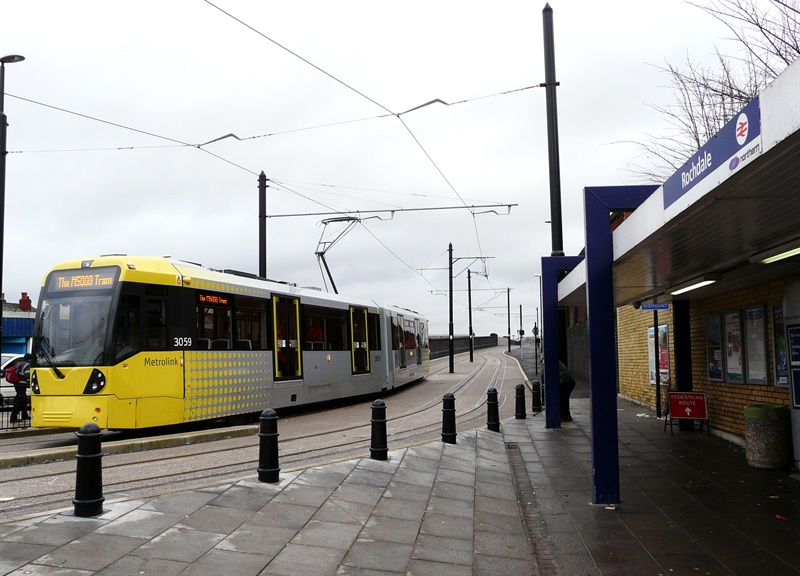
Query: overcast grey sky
pixel 312 89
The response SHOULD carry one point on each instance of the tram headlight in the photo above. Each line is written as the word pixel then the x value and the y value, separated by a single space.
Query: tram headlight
pixel 97 381
pixel 35 383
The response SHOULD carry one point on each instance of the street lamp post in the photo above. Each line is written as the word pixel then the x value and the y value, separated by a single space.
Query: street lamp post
pixel 9 59
pixel 538 327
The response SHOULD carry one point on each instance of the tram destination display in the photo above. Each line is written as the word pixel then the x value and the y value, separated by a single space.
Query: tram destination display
pixel 83 279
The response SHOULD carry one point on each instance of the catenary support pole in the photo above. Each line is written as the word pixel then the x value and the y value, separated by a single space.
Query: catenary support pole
pixel 452 344
pixel 262 225
pixel 509 320
pixel 550 84
pixel 469 306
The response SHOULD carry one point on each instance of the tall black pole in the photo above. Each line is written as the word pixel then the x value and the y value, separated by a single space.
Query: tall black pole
pixel 469 305
pixel 658 363
pixel 509 319
pixel 262 225
pixel 521 329
pixel 11 58
pixel 3 127
pixel 452 350
pixel 552 132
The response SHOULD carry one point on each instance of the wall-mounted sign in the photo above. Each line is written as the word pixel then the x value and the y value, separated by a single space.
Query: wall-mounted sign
pixel 734 146
pixel 734 361
pixel 663 355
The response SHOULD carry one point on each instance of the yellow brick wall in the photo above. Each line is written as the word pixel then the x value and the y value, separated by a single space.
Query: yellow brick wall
pixel 726 401
pixel 634 371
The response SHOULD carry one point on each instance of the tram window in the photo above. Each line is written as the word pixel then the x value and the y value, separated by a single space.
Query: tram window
pixel 251 324
pixel 313 328
pixel 127 332
pixel 423 334
pixel 156 324
pixel 336 329
pixel 214 323
pixel 325 328
pixel 410 337
pixel 395 340
pixel 374 332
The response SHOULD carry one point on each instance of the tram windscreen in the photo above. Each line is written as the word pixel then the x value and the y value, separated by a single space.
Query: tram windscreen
pixel 73 321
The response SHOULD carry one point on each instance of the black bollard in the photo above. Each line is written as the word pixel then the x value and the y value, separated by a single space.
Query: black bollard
pixel 268 468
pixel 449 418
pixel 536 394
pixel 89 498
pixel 378 449
pixel 492 411
pixel 519 409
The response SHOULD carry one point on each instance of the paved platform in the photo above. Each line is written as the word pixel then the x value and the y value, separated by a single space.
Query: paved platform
pixel 514 502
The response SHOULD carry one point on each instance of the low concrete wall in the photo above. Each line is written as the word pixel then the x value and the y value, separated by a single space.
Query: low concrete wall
pixel 440 345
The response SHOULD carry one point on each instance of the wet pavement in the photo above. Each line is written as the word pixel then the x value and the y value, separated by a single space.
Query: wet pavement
pixel 514 502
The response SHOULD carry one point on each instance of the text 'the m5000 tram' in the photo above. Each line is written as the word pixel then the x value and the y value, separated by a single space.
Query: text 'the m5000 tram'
pixel 133 342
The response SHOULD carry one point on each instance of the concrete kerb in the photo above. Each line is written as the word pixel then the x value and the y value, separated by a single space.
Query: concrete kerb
pixel 44 455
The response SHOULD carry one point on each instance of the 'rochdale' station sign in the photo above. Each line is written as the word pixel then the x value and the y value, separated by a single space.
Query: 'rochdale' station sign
pixel 732 147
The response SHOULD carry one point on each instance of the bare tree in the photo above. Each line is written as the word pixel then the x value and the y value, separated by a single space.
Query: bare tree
pixel 706 97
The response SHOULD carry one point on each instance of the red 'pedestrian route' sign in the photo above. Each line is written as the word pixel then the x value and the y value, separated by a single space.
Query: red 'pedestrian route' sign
pixel 690 405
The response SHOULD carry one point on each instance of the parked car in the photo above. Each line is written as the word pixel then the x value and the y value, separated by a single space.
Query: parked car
pixel 7 391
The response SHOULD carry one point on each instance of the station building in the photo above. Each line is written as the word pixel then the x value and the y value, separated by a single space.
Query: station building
pixel 697 280
pixel 17 325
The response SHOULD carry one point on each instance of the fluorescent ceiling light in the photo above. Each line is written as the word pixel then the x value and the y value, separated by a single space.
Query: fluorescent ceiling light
pixel 780 256
pixel 778 253
pixel 696 283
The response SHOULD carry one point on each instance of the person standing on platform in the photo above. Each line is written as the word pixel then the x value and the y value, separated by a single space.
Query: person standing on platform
pixel 19 412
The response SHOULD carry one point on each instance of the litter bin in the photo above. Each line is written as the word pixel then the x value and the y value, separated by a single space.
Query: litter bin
pixel 767 436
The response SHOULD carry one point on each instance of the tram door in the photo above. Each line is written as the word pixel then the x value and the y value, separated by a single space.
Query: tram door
pixel 358 344
pixel 401 340
pixel 420 339
pixel 286 330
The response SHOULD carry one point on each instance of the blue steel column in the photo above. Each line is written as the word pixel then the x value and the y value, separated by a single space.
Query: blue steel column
pixel 552 400
pixel 551 268
pixel 602 351
pixel 601 320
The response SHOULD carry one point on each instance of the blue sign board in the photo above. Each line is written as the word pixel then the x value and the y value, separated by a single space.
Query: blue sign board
pixel 655 306
pixel 731 146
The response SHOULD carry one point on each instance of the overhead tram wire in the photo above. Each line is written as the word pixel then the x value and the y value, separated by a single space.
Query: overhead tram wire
pixel 389 112
pixel 349 87
pixel 146 133
pixel 335 212
pixel 364 226
pixel 287 189
pixel 282 47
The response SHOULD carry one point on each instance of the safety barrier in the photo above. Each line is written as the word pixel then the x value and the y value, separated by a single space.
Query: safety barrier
pixel 519 407
pixel 379 448
pixel 89 498
pixel 268 469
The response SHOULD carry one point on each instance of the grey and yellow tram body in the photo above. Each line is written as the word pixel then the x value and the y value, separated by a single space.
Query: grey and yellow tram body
pixel 178 343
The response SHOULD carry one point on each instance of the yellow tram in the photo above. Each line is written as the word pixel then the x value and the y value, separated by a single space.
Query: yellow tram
pixel 134 342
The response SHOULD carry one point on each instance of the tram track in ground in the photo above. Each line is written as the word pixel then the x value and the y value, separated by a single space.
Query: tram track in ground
pixel 199 463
